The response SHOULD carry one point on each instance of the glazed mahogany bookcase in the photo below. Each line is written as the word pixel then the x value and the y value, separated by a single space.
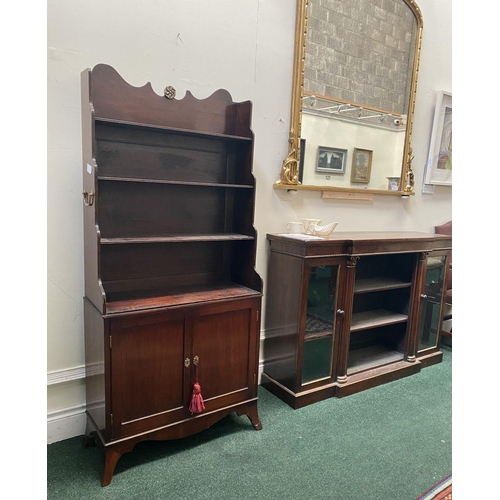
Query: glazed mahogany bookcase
pixel 352 312
pixel 172 297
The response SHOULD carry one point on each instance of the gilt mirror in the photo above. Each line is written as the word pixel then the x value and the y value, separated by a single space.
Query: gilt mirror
pixel 353 97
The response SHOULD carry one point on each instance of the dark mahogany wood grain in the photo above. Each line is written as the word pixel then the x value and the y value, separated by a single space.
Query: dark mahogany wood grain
pixel 377 311
pixel 172 296
pixel 115 99
pixel 362 243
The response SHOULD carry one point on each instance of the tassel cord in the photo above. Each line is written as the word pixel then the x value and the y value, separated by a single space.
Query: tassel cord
pixel 196 405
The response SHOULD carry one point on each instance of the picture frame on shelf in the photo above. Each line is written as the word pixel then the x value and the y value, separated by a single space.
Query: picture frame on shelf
pixel 331 160
pixel 438 170
pixel 361 165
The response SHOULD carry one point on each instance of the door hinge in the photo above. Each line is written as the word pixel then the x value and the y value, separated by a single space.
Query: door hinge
pixel 254 378
pixel 110 343
pixel 111 420
pixel 257 315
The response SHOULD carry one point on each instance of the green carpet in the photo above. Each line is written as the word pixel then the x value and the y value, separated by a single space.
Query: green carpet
pixel 388 443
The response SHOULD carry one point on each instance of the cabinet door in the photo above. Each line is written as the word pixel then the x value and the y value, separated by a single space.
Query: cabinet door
pixel 225 349
pixel 147 372
pixel 321 302
pixel 432 302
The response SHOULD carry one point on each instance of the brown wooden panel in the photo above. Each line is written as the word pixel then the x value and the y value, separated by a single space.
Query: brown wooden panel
pixel 159 209
pixel 93 289
pixel 223 343
pixel 113 97
pixel 396 301
pixel 377 376
pixel 361 243
pixel 242 253
pixel 181 297
pixel 95 366
pixel 162 157
pixel 241 218
pixel 147 373
pixel 158 266
pixel 397 266
pixel 282 318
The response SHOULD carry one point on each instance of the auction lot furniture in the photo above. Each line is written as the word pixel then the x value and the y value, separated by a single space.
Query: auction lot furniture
pixel 172 300
pixel 351 312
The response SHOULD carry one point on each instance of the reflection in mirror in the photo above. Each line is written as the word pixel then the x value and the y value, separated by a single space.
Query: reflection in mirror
pixel 354 86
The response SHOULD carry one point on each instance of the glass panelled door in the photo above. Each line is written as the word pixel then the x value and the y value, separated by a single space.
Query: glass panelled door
pixel 320 323
pixel 432 302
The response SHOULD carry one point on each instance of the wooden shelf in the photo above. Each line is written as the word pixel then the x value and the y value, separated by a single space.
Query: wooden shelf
pixel 371 357
pixel 178 183
pixel 373 319
pixel 379 284
pixel 173 130
pixel 171 298
pixel 178 238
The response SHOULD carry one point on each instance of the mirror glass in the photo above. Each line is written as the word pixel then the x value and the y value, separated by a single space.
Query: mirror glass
pixel 355 75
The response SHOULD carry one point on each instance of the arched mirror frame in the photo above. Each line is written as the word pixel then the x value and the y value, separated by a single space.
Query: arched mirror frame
pixel 289 172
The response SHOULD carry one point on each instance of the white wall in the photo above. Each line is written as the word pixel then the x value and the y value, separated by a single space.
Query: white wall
pixel 245 47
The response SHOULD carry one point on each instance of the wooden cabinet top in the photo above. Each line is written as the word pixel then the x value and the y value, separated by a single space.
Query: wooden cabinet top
pixel 359 243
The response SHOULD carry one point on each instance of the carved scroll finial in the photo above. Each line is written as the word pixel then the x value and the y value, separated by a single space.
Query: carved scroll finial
pixel 169 92
pixel 289 170
pixel 410 178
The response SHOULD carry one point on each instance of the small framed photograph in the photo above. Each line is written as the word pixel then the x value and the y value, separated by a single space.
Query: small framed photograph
pixel 438 170
pixel 361 165
pixel 331 160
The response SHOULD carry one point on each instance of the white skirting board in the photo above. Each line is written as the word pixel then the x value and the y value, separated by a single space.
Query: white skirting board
pixel 65 424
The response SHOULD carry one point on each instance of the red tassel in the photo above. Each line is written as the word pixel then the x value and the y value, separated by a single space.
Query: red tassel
pixel 197 405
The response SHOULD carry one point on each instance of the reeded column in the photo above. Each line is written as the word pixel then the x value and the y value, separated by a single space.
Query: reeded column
pixel 343 316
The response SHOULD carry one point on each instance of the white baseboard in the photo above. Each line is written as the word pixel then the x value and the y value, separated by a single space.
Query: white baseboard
pixel 65 424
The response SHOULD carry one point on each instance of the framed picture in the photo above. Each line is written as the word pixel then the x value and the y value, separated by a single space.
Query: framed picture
pixel 361 165
pixel 331 160
pixel 438 168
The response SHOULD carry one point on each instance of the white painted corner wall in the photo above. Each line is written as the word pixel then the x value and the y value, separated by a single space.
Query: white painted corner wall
pixel 245 47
